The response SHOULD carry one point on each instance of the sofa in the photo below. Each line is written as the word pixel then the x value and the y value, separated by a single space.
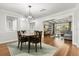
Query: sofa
pixel 68 35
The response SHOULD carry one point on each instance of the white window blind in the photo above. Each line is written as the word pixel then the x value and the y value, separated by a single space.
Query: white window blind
pixel 11 23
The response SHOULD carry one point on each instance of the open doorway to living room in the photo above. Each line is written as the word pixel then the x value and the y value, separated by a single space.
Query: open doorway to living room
pixel 59 29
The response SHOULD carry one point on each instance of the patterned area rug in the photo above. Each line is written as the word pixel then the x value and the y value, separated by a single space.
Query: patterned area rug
pixel 47 50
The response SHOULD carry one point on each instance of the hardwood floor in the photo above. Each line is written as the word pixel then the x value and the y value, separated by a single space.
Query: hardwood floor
pixel 64 49
pixel 4 50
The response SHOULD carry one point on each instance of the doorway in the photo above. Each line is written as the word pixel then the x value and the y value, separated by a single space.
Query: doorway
pixel 60 29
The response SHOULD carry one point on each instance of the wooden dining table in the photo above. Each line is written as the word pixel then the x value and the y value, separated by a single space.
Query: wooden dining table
pixel 29 35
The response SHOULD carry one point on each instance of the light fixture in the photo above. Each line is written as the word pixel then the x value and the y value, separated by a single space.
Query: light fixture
pixel 30 17
pixel 42 10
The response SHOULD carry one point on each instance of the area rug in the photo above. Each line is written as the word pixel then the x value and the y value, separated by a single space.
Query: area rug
pixel 46 50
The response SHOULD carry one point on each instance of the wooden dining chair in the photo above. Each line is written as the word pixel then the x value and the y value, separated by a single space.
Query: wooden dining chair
pixel 37 39
pixel 21 39
pixel 23 31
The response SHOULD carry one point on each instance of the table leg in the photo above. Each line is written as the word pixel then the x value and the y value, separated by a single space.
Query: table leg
pixel 29 46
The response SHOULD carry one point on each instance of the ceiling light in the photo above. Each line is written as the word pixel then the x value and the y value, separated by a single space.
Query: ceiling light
pixel 42 10
pixel 30 17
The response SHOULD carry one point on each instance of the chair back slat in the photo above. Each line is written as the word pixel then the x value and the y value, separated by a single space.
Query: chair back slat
pixel 19 35
pixel 23 31
pixel 38 34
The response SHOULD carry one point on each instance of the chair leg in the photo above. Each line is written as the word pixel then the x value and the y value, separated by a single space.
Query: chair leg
pixel 25 43
pixel 36 47
pixel 29 47
pixel 18 43
pixel 40 45
pixel 21 46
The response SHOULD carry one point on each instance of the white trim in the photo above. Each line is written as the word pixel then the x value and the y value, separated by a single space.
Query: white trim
pixel 77 46
pixel 5 42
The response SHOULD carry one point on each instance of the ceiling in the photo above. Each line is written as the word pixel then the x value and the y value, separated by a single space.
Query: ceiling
pixel 38 9
pixel 63 20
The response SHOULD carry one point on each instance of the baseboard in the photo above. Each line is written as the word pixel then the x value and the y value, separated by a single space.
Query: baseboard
pixel 7 42
pixel 77 46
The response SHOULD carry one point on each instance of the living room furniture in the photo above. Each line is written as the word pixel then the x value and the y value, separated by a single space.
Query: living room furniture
pixel 68 35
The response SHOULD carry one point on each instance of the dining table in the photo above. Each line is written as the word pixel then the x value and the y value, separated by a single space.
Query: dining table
pixel 29 36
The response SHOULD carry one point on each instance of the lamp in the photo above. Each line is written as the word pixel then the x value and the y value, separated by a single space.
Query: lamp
pixel 30 17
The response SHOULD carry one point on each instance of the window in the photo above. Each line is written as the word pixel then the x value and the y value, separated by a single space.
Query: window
pixel 61 27
pixel 11 23
pixel 22 24
pixel 32 25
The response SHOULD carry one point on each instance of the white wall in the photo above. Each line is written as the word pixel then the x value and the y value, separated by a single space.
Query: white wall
pixel 76 26
pixel 5 35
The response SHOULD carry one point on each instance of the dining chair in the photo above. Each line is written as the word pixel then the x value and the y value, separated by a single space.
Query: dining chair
pixel 37 39
pixel 23 31
pixel 21 39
